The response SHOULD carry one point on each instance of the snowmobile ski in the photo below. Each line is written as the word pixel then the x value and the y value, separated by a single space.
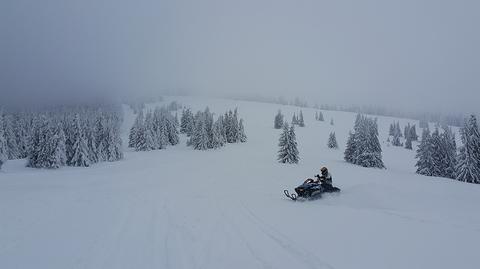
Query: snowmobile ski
pixel 292 196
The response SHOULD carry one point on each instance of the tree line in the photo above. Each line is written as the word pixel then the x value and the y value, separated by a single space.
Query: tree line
pixel 205 132
pixel 58 136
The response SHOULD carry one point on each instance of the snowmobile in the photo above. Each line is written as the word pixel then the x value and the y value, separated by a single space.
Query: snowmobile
pixel 310 190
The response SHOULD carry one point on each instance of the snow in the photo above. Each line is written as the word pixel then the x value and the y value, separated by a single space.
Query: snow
pixel 182 208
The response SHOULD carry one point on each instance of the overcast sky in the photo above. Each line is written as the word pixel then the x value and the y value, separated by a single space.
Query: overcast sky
pixel 408 53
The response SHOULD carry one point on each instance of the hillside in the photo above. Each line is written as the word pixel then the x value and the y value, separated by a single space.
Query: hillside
pixel 180 208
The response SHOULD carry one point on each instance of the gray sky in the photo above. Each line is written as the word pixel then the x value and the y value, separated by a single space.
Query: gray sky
pixel 406 54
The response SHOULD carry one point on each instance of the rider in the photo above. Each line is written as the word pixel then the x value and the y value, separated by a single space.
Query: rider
pixel 325 179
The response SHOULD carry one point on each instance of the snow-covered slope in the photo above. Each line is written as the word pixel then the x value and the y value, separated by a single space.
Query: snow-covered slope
pixel 180 208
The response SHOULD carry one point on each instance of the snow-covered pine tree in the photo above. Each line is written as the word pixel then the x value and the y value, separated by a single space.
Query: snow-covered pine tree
pixel 391 131
pixel 171 127
pixel 160 128
pixel 301 122
pixel 3 143
pixel 396 140
pixel 371 155
pixel 398 130
pixel 91 143
pixel 80 149
pixel 349 154
pixel 363 147
pixel 468 165
pixel 413 133
pixel 278 122
pixel 449 152
pixel 113 140
pixel 146 140
pixel 11 137
pixel 320 116
pixel 135 127
pixel 218 139
pixel 408 142
pixel 39 148
pixel 200 139
pixel 406 131
pixel 332 141
pixel 100 136
pixel 242 137
pixel 436 145
pixel 424 155
pixel 288 152
pixel 294 119
pixel 187 123
pixel 58 157
pixel 236 127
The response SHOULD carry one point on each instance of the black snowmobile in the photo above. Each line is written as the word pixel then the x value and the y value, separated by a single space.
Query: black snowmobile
pixel 310 190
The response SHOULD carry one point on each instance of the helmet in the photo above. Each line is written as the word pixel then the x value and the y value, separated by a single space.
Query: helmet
pixel 324 170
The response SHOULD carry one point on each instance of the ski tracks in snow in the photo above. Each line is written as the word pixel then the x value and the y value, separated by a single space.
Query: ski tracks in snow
pixel 267 245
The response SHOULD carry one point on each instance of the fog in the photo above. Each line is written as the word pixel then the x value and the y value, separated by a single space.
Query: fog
pixel 411 54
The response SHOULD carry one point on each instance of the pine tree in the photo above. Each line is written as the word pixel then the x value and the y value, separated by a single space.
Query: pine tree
pixel 294 119
pixel 288 152
pixel 398 130
pixel 145 138
pixel 424 155
pixel 133 136
pixel 39 149
pixel 391 131
pixel 331 121
pixel 113 140
pixel 218 139
pixel 468 166
pixel 406 131
pixel 10 137
pixel 278 122
pixel 301 122
pixel 332 141
pixel 58 155
pixel 80 149
pixel 408 142
pixel 396 140
pixel 413 133
pixel 241 130
pixel 320 116
pixel 449 152
pixel 363 147
pixel 3 144
pixel 199 139
pixel 350 149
